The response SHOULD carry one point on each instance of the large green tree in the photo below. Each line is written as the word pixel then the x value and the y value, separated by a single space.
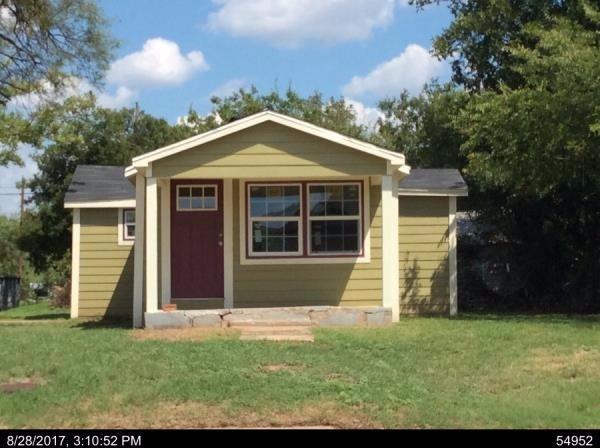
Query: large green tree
pixel 76 132
pixel 44 46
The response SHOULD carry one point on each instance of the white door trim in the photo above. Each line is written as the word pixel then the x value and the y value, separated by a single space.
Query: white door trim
pixel 228 242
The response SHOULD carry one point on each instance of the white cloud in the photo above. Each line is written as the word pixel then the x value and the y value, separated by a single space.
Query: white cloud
pixel 122 97
pixel 410 70
pixel 289 23
pixel 159 62
pixel 367 116
pixel 229 87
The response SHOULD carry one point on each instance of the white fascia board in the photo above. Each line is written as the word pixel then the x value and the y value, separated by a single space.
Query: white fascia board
pixel 143 160
pixel 422 192
pixel 122 203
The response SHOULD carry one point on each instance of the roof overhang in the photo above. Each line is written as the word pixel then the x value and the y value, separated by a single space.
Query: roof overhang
pixel 118 203
pixel 422 192
pixel 395 160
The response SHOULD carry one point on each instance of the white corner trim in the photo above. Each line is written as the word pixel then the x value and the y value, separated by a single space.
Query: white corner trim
pixel 390 249
pixel 165 241
pixel 228 242
pixel 121 241
pixel 151 245
pixel 452 262
pixel 138 272
pixel 145 160
pixel 75 262
pixel 121 203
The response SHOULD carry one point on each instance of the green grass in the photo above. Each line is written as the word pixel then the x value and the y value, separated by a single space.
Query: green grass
pixel 35 311
pixel 475 371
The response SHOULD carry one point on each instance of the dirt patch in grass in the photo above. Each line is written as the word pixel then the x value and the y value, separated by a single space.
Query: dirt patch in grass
pixel 19 384
pixel 273 368
pixel 185 334
pixel 584 362
pixel 200 415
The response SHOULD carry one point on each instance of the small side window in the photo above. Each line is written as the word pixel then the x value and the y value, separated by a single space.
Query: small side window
pixel 129 224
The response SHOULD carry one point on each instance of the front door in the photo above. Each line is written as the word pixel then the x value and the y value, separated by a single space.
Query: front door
pixel 196 239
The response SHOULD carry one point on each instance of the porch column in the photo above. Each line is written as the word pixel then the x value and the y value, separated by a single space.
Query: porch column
pixel 138 271
pixel 452 256
pixel 151 245
pixel 165 241
pixel 390 250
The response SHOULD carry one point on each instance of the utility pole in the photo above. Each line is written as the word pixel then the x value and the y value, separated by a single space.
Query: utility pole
pixel 21 261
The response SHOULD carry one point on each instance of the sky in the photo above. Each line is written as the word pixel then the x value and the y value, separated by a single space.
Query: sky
pixel 178 53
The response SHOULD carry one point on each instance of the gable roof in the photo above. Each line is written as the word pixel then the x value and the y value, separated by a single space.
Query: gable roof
pixel 395 159
pixel 433 182
pixel 95 185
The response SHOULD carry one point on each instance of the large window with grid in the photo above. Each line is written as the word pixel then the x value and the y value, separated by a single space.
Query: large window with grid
pixel 274 219
pixel 334 219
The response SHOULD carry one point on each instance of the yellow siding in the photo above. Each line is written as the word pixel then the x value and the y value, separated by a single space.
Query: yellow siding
pixel 268 150
pixel 309 284
pixel 106 269
pixel 423 241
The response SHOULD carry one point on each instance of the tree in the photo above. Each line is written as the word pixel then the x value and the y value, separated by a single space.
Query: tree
pixel 44 46
pixel 480 35
pixel 422 127
pixel 9 252
pixel 536 149
pixel 79 132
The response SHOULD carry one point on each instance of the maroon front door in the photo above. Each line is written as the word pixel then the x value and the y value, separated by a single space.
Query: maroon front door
pixel 196 239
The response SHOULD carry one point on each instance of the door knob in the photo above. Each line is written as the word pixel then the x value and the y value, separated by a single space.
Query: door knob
pixel 220 243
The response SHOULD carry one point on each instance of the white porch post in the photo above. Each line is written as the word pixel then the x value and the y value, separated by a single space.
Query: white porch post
pixel 452 256
pixel 138 271
pixel 151 245
pixel 75 262
pixel 165 241
pixel 390 250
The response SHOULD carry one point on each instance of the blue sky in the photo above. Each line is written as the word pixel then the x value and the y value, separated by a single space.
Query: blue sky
pixel 178 53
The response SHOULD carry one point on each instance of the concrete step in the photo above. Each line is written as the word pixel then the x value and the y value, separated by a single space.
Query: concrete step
pixel 277 337
pixel 249 320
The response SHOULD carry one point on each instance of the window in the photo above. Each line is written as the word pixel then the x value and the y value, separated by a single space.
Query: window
pixel 128 224
pixel 196 197
pixel 274 221
pixel 334 219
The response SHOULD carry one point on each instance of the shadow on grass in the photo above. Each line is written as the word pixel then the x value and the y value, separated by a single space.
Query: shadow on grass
pixel 549 318
pixel 106 323
pixel 49 316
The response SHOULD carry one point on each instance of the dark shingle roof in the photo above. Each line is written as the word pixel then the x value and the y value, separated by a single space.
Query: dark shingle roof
pixel 444 180
pixel 99 183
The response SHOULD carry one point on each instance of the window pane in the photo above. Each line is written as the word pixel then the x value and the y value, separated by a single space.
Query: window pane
pixel 275 228
pixel 259 235
pixel 130 230
pixel 335 192
pixel 317 208
pixel 196 203
pixel 291 228
pixel 258 207
pixel 334 208
pixel 350 192
pixel 291 244
pixel 275 200
pixel 184 192
pixel 209 192
pixel 275 192
pixel 129 216
pixel 184 203
pixel 197 192
pixel 209 202
pixel 334 236
pixel 275 244
pixel 351 208
pixel 275 208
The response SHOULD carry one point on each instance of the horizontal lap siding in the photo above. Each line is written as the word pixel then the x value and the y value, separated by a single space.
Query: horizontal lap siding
pixel 309 284
pixel 268 150
pixel 423 246
pixel 106 269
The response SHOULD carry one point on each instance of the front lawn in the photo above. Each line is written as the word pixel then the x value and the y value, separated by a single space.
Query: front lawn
pixel 475 371
pixel 35 311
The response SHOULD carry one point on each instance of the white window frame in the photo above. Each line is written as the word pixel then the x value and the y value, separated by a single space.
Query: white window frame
pixel 249 219
pixel 122 240
pixel 215 208
pixel 358 218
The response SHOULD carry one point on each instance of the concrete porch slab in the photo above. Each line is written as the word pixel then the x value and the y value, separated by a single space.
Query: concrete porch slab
pixel 315 316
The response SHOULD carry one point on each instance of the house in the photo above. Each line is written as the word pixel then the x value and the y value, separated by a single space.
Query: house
pixel 267 211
